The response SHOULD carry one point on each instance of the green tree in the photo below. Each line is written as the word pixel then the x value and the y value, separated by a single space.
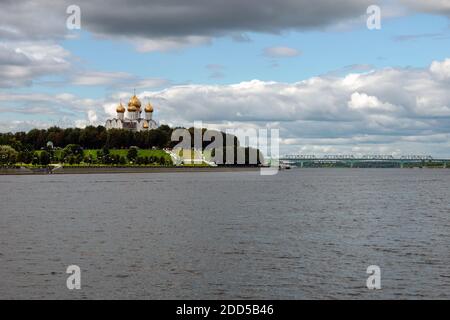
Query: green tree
pixel 162 160
pixel 44 158
pixel 139 160
pixel 132 154
pixel 56 135
pixel 114 159
pixel 72 150
pixel 35 159
pixel 105 150
pixel 88 137
pixel 88 159
pixel 8 155
pixel 25 156
pixel 37 138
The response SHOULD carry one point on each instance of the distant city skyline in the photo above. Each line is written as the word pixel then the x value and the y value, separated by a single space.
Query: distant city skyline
pixel 310 68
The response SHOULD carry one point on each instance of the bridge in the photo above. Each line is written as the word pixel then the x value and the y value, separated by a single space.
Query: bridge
pixel 365 161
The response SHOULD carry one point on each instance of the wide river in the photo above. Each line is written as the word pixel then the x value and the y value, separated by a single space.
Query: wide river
pixel 301 234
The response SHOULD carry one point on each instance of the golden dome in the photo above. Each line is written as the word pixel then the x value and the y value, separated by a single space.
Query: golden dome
pixel 145 126
pixel 120 108
pixel 131 108
pixel 148 107
pixel 134 101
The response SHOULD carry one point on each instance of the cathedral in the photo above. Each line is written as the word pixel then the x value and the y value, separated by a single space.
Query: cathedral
pixel 133 121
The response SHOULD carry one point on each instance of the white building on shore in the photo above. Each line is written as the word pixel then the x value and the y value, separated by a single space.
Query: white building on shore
pixel 133 120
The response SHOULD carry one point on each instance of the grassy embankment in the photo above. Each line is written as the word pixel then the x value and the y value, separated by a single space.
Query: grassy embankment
pixel 123 153
pixel 92 153
pixel 154 153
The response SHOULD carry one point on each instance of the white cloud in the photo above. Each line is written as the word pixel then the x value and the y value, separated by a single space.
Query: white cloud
pixel 81 123
pixel 96 78
pixel 281 52
pixel 431 6
pixel 32 20
pixel 384 111
pixel 170 43
pixel 92 116
pixel 59 109
pixel 441 69
pixel 149 83
pixel 364 102
pixel 23 62
pixel 121 80
pixel 377 101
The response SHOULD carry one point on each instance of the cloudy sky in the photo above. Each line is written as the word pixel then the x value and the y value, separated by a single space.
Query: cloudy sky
pixel 312 69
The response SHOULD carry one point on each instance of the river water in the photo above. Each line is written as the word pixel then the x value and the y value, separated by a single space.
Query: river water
pixel 301 234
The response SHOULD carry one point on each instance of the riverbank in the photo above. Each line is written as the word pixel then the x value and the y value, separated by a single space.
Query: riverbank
pixel 100 170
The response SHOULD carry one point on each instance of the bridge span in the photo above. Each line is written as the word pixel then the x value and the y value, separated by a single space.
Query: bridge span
pixel 365 161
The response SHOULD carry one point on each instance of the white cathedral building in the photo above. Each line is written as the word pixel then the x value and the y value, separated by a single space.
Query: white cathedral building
pixel 133 121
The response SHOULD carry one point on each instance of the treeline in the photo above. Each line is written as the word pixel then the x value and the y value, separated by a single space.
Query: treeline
pixel 88 138
pixel 74 154
pixel 231 153
pixel 38 146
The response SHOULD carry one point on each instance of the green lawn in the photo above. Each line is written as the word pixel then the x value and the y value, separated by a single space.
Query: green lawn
pixel 141 153
pixel 123 153
pixel 155 153
pixel 91 152
pixel 57 153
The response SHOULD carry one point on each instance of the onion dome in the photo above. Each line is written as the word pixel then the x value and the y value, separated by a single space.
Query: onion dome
pixel 145 126
pixel 148 107
pixel 131 108
pixel 134 101
pixel 120 108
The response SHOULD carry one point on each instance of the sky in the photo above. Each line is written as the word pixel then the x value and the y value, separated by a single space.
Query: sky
pixel 311 69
